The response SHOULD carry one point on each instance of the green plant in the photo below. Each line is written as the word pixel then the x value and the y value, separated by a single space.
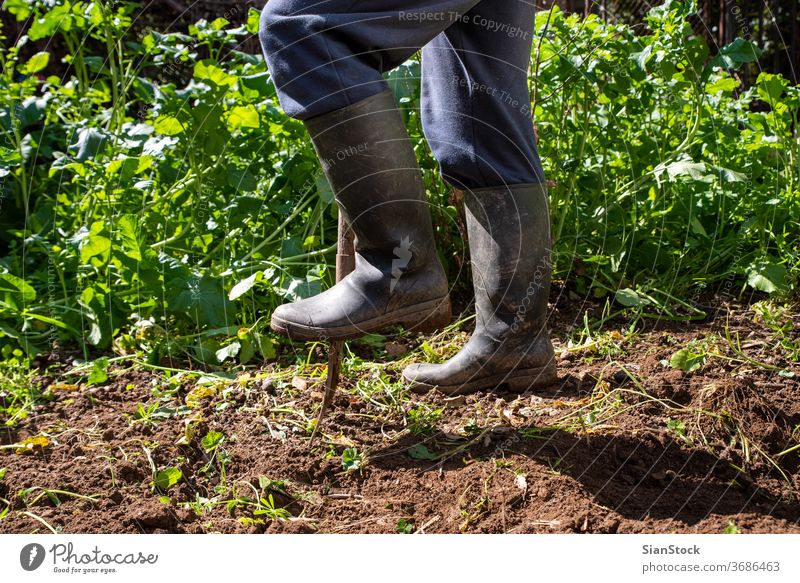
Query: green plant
pixel 678 427
pixel 404 526
pixel 667 179
pixel 28 499
pixel 169 210
pixel 352 460
pixel 781 322
pixel 145 413
pixel 157 203
pixel 267 508
pixel 212 444
pixel 732 528
pixel 422 419
pixel 263 504
pixel 19 391
pixel 687 360
pixel 167 478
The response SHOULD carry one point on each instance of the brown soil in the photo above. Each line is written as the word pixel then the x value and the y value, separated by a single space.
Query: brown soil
pixel 503 468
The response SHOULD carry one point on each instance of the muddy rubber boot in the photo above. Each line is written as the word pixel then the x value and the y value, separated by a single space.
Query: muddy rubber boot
pixel 509 241
pixel 369 161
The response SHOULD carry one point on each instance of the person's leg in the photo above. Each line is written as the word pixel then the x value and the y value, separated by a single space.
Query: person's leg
pixel 475 97
pixel 326 59
pixel 325 55
pixel 477 121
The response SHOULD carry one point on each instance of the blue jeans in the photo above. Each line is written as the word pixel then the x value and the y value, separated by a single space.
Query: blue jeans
pixel 326 54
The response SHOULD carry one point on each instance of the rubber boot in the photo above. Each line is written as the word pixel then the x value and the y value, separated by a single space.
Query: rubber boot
pixel 509 242
pixel 369 161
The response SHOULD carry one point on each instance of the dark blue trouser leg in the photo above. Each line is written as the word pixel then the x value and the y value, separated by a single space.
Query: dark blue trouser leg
pixel 475 97
pixel 325 55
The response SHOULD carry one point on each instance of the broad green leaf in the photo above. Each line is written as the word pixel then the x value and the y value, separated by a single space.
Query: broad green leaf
pixel 95 333
pixel 248 350
pixel 127 232
pixel 9 158
pixel 127 167
pixel 688 170
pixel 202 299
pixel 259 84
pixel 253 20
pixel 728 175
pixel 628 297
pixel 167 478
pixel 168 125
pixel 242 180
pixel 697 227
pixel 420 452
pixel 33 110
pixel 244 286
pixel 737 53
pixel 723 84
pixel 97 314
pixel 642 57
pixel 94 246
pixel 266 346
pixel 228 351
pixel 19 8
pixel 243 117
pixel 36 63
pixel 219 23
pixel 16 292
pixel 687 360
pixel 99 373
pixel 767 277
pixel 211 440
pixel 771 87
pixel 299 289
pixel 214 74
pixel 55 18
pixel 90 143
pixel 157 145
pixel 324 188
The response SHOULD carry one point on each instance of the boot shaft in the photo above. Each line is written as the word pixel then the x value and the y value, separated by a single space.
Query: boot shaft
pixel 397 279
pixel 509 242
pixel 369 161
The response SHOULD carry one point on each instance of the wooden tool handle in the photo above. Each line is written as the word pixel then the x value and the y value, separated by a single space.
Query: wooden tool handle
pixel 345 263
pixel 345 253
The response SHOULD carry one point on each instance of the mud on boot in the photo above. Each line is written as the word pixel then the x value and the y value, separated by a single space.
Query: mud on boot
pixel 509 242
pixel 369 161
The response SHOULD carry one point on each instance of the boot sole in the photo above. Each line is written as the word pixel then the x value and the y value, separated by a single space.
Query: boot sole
pixel 517 381
pixel 425 317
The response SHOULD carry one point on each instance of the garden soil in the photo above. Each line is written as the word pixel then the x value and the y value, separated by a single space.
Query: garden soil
pixel 657 466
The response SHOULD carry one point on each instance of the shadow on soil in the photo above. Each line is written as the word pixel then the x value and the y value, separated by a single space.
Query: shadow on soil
pixel 638 478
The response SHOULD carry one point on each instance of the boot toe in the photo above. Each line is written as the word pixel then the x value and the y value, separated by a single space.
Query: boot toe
pixel 418 377
pixel 289 318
